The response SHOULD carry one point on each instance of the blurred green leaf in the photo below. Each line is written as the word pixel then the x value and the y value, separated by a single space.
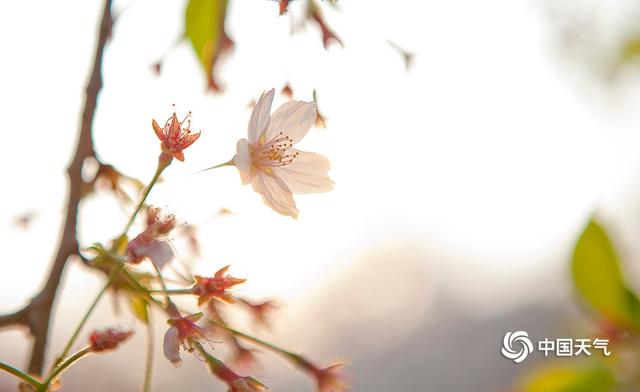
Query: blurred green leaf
pixel 204 28
pixel 138 306
pixel 597 276
pixel 631 49
pixel 570 379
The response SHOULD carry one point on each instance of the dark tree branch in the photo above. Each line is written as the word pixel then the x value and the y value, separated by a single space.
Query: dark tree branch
pixel 17 318
pixel 37 314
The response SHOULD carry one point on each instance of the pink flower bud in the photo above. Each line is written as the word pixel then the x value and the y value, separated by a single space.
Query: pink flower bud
pixel 107 339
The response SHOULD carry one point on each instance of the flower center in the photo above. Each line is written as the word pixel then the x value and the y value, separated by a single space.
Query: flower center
pixel 276 152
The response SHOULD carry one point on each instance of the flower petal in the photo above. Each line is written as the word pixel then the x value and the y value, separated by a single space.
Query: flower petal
pixel 175 127
pixel 157 130
pixel 307 173
pixel 179 155
pixel 159 252
pixel 171 346
pixel 222 271
pixel 194 317
pixel 260 116
pixel 294 119
pixel 242 160
pixel 275 194
pixel 188 139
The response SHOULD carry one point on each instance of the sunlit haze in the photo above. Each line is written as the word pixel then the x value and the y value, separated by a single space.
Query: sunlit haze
pixel 483 159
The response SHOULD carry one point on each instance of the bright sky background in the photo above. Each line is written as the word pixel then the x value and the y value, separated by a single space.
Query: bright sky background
pixel 489 148
pixel 483 148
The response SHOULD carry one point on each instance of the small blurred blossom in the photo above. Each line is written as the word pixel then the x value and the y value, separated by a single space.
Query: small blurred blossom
pixel 329 379
pixel 261 311
pixel 328 36
pixel 225 211
pixel 268 161
pixel 244 358
pixel 332 379
pixel 191 233
pixel 175 136
pixel 183 331
pixel 287 91
pixel 107 339
pixel 321 122
pixel 24 220
pixel 159 224
pixel 149 243
pixel 407 56
pixel 216 287
pixel 108 177
pixel 283 4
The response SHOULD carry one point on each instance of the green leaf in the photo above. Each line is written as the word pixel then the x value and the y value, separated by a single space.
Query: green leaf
pixel 571 379
pixel 631 49
pixel 598 279
pixel 139 307
pixel 204 28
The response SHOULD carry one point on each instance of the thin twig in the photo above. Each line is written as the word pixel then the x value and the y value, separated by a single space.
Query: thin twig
pixel 63 366
pixel 18 373
pixel 148 371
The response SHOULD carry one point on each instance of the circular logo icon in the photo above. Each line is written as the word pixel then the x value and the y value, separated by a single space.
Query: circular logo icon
pixel 517 346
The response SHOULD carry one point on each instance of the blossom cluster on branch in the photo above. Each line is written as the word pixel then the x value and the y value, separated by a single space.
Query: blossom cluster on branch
pixel 268 161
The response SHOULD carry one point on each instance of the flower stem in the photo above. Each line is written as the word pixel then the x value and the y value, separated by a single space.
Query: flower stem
pixel 62 367
pixel 161 166
pixel 204 352
pixel 150 350
pixel 162 283
pixel 287 354
pixel 67 348
pixel 216 366
pixel 171 291
pixel 20 374
pixel 228 163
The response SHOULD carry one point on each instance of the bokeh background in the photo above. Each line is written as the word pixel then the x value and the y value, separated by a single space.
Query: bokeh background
pixel 461 185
